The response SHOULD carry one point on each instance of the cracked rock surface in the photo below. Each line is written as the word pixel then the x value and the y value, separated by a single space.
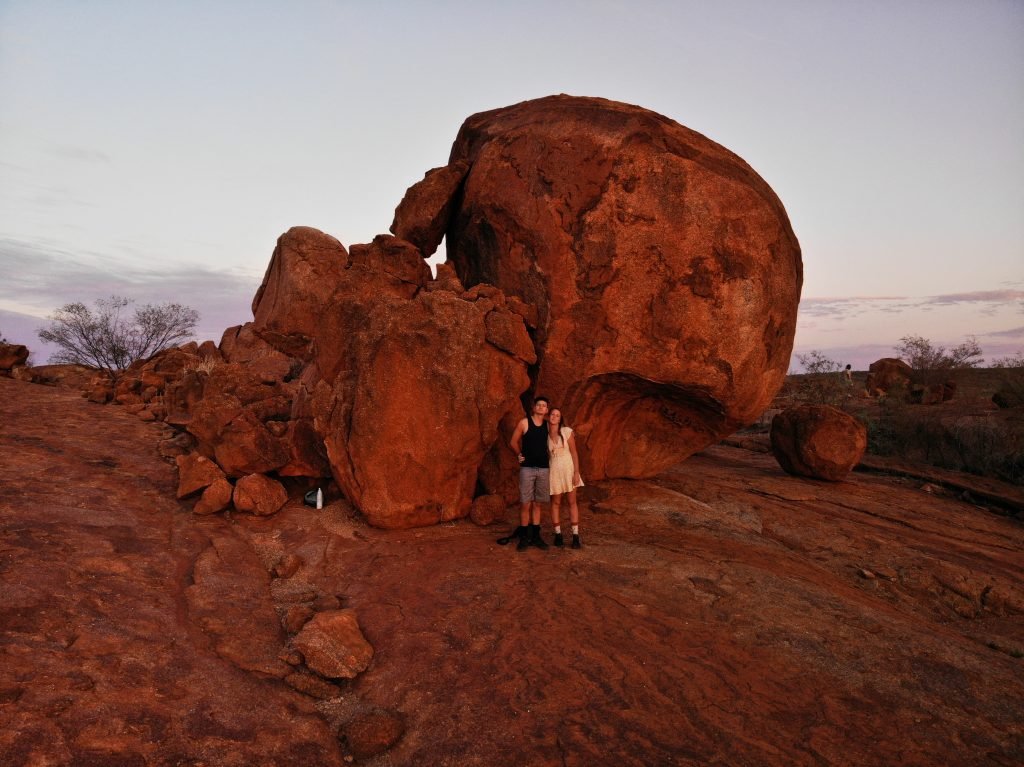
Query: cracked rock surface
pixel 664 270
pixel 720 612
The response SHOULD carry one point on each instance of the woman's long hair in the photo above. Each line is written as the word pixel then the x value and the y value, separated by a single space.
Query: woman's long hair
pixel 561 424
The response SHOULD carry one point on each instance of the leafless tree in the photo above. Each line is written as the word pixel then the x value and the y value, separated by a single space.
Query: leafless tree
pixel 109 338
pixel 933 364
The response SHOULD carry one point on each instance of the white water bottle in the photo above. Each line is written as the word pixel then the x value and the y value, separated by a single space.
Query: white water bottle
pixel 319 498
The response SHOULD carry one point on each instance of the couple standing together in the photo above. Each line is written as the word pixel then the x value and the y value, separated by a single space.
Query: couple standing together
pixel 549 467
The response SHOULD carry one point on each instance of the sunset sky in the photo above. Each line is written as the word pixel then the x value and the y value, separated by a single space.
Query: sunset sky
pixel 158 150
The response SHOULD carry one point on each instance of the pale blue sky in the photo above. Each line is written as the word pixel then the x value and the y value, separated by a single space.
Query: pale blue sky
pixel 159 149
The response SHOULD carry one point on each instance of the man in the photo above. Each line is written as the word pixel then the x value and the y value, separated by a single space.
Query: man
pixel 530 443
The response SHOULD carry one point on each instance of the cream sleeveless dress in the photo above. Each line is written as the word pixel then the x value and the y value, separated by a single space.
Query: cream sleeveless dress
pixel 560 467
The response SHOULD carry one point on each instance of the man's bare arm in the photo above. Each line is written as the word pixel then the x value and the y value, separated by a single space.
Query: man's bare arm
pixel 516 443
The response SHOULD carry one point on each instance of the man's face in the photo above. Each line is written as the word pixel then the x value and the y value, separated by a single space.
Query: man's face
pixel 540 408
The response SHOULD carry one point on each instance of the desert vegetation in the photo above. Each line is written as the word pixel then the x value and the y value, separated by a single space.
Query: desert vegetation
pixel 980 430
pixel 109 338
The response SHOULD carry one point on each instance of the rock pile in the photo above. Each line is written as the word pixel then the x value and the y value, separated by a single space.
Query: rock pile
pixel 894 377
pixel 640 275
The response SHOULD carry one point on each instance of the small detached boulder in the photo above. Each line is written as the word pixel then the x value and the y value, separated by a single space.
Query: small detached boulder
pixel 12 356
pixel 333 645
pixel 216 497
pixel 196 472
pixel 817 441
pixel 260 495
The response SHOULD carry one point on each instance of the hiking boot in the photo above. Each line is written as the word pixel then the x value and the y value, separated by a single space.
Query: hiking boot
pixel 559 541
pixel 576 542
pixel 517 533
pixel 535 539
pixel 524 540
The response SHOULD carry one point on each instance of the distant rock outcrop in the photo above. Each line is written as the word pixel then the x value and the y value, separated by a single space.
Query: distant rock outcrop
pixel 12 356
pixel 886 375
pixel 663 269
pixel 817 441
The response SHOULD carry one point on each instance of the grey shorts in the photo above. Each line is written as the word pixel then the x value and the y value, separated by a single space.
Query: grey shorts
pixel 533 485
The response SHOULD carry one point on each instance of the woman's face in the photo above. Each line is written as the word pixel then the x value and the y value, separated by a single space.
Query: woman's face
pixel 555 417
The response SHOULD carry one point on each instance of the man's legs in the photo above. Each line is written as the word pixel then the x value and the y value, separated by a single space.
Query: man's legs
pixel 533 485
pixel 526 483
pixel 541 494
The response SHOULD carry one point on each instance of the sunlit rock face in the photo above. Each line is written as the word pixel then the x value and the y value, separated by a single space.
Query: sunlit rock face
pixel 818 441
pixel 410 395
pixel 664 270
pixel 402 381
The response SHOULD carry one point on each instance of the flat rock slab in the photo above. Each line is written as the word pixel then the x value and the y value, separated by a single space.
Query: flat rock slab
pixel 100 659
pixel 723 612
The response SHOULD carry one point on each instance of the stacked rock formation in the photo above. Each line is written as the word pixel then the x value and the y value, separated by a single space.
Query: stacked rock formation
pixel 663 269
pixel 357 365
pixel 640 275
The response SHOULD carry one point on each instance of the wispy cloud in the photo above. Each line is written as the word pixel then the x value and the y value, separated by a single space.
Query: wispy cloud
pixel 39 278
pixel 988 302
pixel 978 296
pixel 851 306
pixel 1017 332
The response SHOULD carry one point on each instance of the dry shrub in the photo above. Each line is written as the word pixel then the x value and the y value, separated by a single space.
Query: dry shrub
pixel 205 365
pixel 977 443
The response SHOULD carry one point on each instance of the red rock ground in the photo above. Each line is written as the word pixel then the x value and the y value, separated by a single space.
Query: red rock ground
pixel 722 613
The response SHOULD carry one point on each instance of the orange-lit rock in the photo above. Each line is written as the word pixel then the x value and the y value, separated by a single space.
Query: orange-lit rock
pixel 259 495
pixel 216 497
pixel 664 271
pixel 12 355
pixel 887 374
pixel 333 646
pixel 196 472
pixel 304 270
pixel 818 441
pixel 411 395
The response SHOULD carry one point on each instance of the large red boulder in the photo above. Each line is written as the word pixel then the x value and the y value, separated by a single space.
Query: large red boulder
pixel 422 216
pixel 410 395
pixel 304 270
pixel 397 266
pixel 887 375
pixel 817 441
pixel 663 269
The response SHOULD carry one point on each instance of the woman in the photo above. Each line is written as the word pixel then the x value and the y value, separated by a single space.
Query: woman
pixel 564 475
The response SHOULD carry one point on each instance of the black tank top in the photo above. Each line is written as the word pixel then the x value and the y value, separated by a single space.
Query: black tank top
pixel 535 445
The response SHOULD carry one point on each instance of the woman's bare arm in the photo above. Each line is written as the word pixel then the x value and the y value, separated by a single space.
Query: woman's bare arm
pixel 575 459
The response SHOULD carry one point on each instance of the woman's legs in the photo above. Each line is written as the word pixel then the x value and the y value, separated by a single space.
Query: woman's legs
pixel 574 518
pixel 556 517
